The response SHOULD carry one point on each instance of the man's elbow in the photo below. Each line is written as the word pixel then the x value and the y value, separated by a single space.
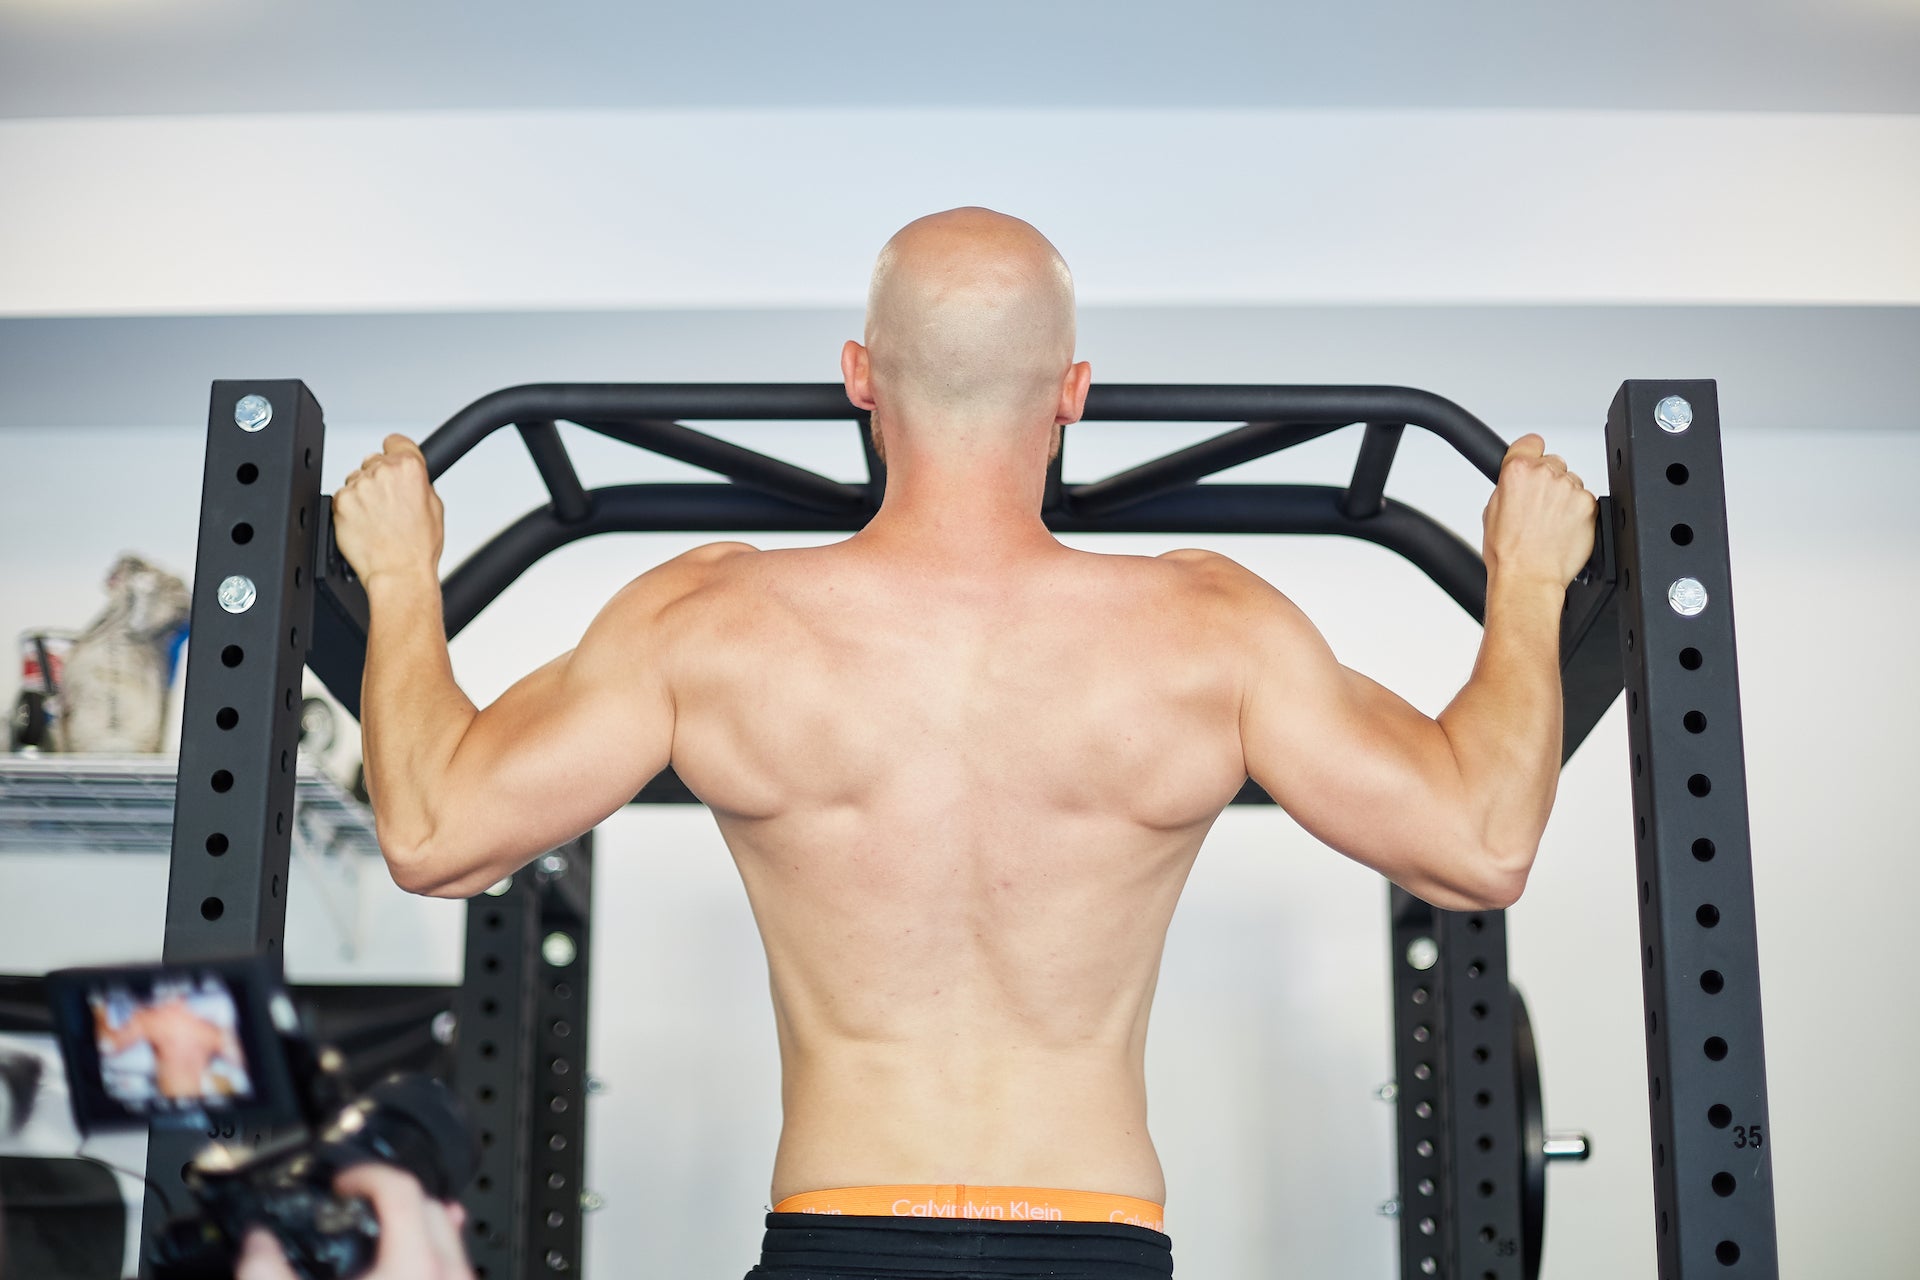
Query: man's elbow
pixel 416 870
pixel 1499 880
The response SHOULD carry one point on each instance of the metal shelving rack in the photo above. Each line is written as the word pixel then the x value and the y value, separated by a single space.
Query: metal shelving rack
pixel 271 595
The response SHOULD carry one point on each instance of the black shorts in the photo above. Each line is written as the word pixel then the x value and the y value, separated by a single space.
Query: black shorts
pixel 815 1246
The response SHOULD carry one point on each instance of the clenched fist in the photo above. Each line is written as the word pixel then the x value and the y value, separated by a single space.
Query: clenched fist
pixel 1539 522
pixel 386 516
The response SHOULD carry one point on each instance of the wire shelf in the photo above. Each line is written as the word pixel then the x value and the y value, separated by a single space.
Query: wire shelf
pixel 124 804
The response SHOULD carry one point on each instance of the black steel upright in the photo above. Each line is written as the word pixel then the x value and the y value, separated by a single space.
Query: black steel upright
pixel 1706 1071
pixel 1461 1204
pixel 251 624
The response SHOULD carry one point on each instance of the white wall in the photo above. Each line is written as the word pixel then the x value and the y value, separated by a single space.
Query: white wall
pixel 1270 1031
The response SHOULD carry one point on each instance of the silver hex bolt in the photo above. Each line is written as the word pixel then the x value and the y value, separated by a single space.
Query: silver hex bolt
pixel 1387 1092
pixel 237 594
pixel 498 887
pixel 252 413
pixel 1423 953
pixel 1389 1209
pixel 592 1202
pixel 443 1026
pixel 1673 414
pixel 554 865
pixel 1688 596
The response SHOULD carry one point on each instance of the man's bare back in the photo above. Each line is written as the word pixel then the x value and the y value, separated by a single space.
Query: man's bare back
pixel 964 770
pixel 963 806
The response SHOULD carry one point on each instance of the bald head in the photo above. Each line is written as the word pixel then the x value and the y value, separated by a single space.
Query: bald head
pixel 970 320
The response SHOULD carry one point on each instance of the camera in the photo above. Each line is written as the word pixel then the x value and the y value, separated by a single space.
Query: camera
pixel 216 1047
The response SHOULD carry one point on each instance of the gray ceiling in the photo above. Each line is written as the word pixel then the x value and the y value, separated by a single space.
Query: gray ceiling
pixel 143 57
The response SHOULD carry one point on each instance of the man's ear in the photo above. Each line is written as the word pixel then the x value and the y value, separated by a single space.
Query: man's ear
pixel 856 369
pixel 1073 394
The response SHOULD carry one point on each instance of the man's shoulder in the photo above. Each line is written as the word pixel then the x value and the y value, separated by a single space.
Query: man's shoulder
pixel 674 581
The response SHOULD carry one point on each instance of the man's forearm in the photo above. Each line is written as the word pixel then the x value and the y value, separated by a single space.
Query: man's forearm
pixel 1505 725
pixel 412 714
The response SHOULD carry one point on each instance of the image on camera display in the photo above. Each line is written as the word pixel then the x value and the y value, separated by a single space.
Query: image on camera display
pixel 174 1046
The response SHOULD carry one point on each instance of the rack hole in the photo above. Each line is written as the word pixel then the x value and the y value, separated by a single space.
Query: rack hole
pixel 232 655
pixel 1703 850
pixel 1475 924
pixel 1727 1252
pixel 1712 983
pixel 1476 967
pixel 283 762
pixel 1682 535
pixel 1695 721
pixel 1708 915
pixel 1719 1115
pixel 296 575
pixel 1484 1142
pixel 1724 1184
pixel 1676 473
pixel 1643 828
pixel 217 843
pixel 1483 1099
pixel 495 920
pixel 488 1048
pixel 1480 1011
pixel 1486 1190
pixel 1646 892
pixel 1636 764
pixel 489 1007
pixel 1633 702
pixel 1653 1022
pixel 1659 1155
pixel 286 699
pixel 222 781
pixel 1716 1049
pixel 276 887
pixel 212 908
pixel 1649 957
pixel 1656 1088
pixel 309 460
pixel 1699 784
pixel 293 638
pixel 279 824
pixel 247 473
pixel 226 717
pixel 1690 658
pixel 1481 1053
pixel 491 964
pixel 303 517
pixel 242 533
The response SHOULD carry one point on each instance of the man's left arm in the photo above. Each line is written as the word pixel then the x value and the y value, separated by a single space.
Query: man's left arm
pixel 463 796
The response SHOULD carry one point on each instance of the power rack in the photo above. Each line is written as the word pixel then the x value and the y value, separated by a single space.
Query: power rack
pixel 1652 613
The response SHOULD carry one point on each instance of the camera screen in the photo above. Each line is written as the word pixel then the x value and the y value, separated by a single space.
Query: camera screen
pixel 170 1044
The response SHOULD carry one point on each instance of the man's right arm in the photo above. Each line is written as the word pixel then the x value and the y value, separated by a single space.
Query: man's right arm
pixel 1450 808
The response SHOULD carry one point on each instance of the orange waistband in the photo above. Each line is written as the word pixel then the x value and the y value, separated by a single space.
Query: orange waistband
pixel 957 1200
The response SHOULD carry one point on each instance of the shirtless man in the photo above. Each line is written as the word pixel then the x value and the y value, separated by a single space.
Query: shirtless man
pixel 964 770
pixel 184 1045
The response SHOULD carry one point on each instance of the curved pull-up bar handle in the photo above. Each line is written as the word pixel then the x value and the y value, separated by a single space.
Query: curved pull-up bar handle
pixel 608 402
pixel 613 402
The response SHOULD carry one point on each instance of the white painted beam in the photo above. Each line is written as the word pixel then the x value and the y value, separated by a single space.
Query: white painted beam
pixel 535 211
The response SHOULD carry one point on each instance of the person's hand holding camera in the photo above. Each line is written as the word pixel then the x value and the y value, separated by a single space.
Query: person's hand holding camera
pixel 419 1236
